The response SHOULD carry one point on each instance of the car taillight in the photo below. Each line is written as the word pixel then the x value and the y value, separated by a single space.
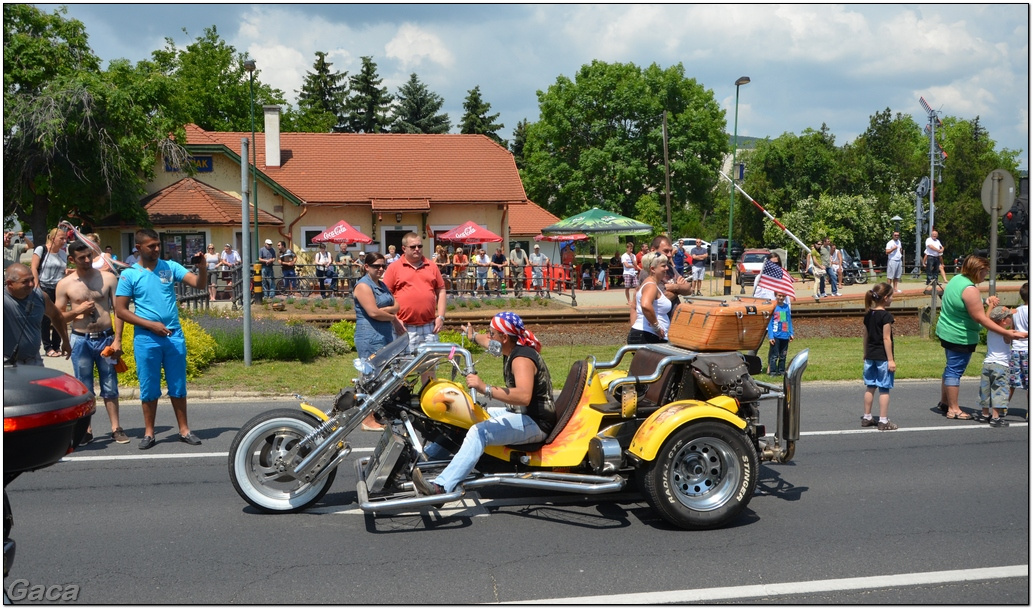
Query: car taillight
pixel 52 417
pixel 64 383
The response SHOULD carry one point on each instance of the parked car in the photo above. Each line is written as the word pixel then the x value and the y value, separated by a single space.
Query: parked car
pixel 718 246
pixel 750 265
pixel 46 415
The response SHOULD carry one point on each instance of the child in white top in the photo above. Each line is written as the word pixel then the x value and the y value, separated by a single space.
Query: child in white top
pixel 1018 364
pixel 993 385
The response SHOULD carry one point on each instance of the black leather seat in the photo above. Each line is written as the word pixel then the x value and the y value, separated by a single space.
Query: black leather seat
pixel 664 390
pixel 566 403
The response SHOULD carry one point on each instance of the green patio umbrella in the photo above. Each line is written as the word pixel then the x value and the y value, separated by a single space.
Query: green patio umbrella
pixel 599 222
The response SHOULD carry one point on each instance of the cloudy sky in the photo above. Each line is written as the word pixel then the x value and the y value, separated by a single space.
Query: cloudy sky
pixel 809 64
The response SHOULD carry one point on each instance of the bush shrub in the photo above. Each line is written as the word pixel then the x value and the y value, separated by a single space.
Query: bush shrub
pixel 344 330
pixel 271 339
pixel 201 349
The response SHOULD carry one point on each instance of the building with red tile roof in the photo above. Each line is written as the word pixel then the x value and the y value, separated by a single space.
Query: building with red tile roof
pixel 384 185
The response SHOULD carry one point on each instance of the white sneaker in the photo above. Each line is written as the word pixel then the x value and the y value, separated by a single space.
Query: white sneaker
pixel 899 291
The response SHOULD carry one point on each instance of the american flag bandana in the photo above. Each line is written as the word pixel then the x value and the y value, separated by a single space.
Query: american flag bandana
pixel 510 323
pixel 777 279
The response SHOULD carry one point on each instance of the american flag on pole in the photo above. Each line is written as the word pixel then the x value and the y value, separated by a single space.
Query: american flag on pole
pixel 775 278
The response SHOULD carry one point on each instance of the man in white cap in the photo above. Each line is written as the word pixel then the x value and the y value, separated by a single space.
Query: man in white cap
pixel 267 256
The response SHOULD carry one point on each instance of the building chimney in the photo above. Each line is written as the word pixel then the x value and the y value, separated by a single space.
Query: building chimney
pixel 272 135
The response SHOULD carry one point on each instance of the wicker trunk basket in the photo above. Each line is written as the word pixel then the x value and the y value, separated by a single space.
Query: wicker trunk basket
pixel 716 325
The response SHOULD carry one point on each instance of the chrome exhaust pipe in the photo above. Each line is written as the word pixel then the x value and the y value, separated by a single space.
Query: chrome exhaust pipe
pixel 550 481
pixel 787 432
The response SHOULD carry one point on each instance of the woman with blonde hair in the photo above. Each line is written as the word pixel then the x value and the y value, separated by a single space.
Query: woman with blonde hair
pixel 961 315
pixel 49 266
pixel 652 306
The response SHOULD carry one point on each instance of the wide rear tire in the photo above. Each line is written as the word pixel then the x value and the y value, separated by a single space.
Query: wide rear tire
pixel 259 470
pixel 703 477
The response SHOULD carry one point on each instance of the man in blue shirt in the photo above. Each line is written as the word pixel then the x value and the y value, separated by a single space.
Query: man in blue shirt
pixel 158 340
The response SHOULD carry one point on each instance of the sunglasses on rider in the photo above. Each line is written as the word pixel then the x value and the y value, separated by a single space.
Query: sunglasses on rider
pixel 376 266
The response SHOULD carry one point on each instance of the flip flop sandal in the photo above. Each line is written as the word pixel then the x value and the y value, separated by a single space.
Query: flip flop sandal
pixel 964 416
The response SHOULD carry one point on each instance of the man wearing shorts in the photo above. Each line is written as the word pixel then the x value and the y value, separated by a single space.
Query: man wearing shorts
pixel 630 271
pixel 895 260
pixel 699 256
pixel 92 296
pixel 158 340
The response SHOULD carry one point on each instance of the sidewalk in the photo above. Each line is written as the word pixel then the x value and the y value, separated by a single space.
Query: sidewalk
pixel 850 295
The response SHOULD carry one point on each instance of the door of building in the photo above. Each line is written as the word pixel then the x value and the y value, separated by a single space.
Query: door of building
pixel 181 246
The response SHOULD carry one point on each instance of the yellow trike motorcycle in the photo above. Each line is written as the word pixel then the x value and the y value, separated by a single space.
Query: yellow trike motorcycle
pixel 682 426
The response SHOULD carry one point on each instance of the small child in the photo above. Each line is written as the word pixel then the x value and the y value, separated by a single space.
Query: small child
pixel 1018 363
pixel 879 365
pixel 780 332
pixel 993 384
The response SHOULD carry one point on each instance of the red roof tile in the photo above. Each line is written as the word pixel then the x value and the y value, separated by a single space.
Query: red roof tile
pixel 528 219
pixel 360 167
pixel 189 201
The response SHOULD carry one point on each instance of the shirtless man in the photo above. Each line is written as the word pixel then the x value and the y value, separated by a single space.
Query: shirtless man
pixel 91 295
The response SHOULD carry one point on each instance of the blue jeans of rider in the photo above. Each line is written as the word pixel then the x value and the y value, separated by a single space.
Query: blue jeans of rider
pixel 504 427
pixel 268 282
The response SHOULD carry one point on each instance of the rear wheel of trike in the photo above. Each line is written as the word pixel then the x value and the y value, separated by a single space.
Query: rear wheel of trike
pixel 260 462
pixel 703 477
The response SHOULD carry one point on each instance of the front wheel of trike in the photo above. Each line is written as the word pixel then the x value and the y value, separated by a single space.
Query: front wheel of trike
pixel 703 477
pixel 261 459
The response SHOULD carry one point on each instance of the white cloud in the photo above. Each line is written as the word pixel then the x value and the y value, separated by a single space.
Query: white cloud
pixel 412 44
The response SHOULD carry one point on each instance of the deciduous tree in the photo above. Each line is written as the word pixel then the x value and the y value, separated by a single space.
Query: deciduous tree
pixel 78 143
pixel 599 140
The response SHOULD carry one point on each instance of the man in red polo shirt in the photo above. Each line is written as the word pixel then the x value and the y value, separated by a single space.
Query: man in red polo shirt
pixel 418 288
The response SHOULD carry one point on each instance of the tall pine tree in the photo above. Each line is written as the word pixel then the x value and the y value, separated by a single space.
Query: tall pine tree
pixel 517 145
pixel 321 101
pixel 417 110
pixel 476 119
pixel 369 103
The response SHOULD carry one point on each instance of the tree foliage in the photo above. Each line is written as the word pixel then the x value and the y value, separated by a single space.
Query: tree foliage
pixel 517 145
pixel 599 141
pixel 419 109
pixel 476 119
pixel 78 143
pixel 369 103
pixel 322 99
pixel 212 88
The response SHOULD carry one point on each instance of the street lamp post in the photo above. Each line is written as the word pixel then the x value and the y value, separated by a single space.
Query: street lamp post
pixel 742 80
pixel 249 65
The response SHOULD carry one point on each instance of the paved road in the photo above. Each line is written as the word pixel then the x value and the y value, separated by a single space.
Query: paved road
pixel 936 512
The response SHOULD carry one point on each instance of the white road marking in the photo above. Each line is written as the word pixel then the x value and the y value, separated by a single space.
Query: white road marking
pixel 705 595
pixel 873 430
pixel 161 456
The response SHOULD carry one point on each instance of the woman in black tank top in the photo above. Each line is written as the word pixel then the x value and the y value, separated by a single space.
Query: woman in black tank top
pixel 527 413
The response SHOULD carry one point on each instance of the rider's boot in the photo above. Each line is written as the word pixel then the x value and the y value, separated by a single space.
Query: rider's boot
pixel 423 487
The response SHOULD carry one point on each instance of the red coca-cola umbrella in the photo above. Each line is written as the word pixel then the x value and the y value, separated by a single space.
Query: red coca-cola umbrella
pixel 558 238
pixel 342 232
pixel 469 233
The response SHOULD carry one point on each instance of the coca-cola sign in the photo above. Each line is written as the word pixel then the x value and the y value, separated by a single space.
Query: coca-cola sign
pixel 466 232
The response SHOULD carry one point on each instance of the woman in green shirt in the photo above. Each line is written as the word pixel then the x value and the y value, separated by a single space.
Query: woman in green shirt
pixel 957 328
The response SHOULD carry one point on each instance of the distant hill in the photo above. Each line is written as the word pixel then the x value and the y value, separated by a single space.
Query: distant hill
pixel 745 142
